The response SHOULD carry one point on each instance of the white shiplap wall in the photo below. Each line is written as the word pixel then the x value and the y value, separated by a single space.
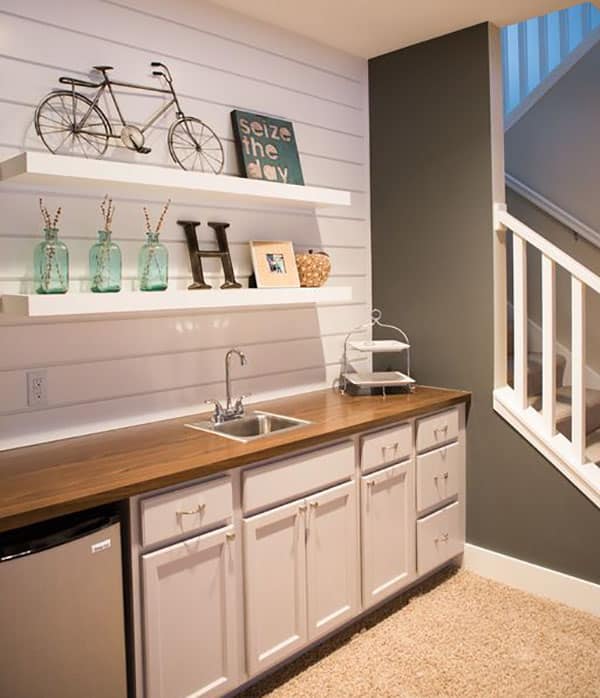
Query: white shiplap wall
pixel 105 372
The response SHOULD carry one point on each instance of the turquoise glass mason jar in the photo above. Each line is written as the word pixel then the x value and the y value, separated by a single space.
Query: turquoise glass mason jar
pixel 105 264
pixel 153 265
pixel 51 264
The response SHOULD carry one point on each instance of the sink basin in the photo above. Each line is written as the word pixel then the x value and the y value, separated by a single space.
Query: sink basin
pixel 255 425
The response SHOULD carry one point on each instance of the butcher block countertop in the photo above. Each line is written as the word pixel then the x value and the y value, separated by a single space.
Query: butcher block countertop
pixel 39 482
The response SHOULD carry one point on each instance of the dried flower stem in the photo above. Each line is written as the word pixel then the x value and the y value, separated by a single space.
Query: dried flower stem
pixel 160 219
pixel 108 211
pixel 145 277
pixel 47 218
pixel 147 217
pixel 102 275
pixel 51 267
pixel 162 215
pixel 45 214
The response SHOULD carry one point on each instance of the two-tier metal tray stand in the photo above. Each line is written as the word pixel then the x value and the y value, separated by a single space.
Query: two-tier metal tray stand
pixel 359 383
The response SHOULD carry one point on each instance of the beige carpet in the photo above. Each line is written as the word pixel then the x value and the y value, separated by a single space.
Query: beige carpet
pixel 465 637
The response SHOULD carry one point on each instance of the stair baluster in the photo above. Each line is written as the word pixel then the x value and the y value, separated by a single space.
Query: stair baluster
pixel 549 344
pixel 578 406
pixel 500 311
pixel 520 320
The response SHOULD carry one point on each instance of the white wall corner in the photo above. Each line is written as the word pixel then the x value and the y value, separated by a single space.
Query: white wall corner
pixel 540 581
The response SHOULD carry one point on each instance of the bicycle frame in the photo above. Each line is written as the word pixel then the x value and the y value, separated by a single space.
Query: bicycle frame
pixel 87 124
pixel 108 84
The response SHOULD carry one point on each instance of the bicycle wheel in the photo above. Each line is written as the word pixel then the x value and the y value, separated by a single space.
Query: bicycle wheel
pixel 195 146
pixel 69 122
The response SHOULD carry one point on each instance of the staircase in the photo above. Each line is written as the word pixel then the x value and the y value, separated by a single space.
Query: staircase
pixel 564 397
pixel 551 398
pixel 537 52
pixel 553 409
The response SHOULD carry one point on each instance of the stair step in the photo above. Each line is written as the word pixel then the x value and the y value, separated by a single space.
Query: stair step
pixel 563 409
pixel 592 450
pixel 534 371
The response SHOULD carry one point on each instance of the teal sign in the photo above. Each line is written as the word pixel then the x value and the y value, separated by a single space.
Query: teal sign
pixel 266 148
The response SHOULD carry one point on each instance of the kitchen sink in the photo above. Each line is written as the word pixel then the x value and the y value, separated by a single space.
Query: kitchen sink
pixel 254 425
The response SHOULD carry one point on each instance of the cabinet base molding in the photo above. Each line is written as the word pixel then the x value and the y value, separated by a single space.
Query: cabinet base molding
pixel 541 581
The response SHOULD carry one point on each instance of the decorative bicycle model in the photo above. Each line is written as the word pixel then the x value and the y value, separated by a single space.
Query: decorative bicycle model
pixel 68 121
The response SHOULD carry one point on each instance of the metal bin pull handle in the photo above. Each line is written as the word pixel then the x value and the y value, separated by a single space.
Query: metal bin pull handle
pixel 198 510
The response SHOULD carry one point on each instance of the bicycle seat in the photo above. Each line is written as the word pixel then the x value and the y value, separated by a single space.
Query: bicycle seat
pixel 103 68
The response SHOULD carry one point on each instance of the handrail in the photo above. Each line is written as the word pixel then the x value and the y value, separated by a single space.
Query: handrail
pixel 575 268
pixel 567 219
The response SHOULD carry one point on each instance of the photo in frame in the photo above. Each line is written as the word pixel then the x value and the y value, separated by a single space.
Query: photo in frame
pixel 266 148
pixel 274 264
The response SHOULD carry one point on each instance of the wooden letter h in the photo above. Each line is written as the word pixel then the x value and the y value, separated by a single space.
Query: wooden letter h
pixel 197 254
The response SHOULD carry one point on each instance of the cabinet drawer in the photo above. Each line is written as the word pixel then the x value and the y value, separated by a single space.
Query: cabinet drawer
pixel 278 482
pixel 386 446
pixel 438 474
pixel 186 510
pixel 439 537
pixel 441 428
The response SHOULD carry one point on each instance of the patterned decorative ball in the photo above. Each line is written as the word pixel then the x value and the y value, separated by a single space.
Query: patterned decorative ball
pixel 313 268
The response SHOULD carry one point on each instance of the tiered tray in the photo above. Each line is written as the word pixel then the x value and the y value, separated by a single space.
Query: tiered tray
pixel 376 379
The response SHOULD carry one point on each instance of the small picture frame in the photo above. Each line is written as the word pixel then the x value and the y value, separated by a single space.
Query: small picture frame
pixel 274 264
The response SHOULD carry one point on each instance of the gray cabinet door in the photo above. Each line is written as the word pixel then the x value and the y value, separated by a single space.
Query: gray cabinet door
pixel 275 583
pixel 190 633
pixel 332 554
pixel 388 527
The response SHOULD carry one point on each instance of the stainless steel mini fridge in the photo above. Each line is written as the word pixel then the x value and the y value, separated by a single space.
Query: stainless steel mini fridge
pixel 61 609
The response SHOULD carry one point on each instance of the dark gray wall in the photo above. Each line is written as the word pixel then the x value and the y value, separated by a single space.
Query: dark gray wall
pixel 432 275
pixel 554 148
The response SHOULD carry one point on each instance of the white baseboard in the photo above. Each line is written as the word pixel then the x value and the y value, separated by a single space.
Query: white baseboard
pixel 541 581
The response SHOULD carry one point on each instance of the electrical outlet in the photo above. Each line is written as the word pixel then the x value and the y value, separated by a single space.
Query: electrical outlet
pixel 37 388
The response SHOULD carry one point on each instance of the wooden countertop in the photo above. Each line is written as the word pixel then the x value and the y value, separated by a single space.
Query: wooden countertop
pixel 38 482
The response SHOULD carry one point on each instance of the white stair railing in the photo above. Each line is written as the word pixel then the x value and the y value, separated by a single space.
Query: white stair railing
pixel 569 455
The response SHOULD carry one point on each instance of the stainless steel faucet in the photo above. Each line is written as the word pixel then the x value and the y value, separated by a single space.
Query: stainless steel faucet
pixel 230 411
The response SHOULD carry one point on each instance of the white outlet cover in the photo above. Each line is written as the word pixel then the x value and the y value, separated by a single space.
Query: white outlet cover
pixel 37 388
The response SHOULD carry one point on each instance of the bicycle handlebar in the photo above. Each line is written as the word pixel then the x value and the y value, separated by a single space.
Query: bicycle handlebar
pixel 165 72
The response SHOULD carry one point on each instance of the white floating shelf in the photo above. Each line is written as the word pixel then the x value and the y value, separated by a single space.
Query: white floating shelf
pixel 379 346
pixel 45 169
pixel 33 305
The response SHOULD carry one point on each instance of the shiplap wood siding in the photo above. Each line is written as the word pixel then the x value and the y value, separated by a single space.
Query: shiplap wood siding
pixel 106 372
